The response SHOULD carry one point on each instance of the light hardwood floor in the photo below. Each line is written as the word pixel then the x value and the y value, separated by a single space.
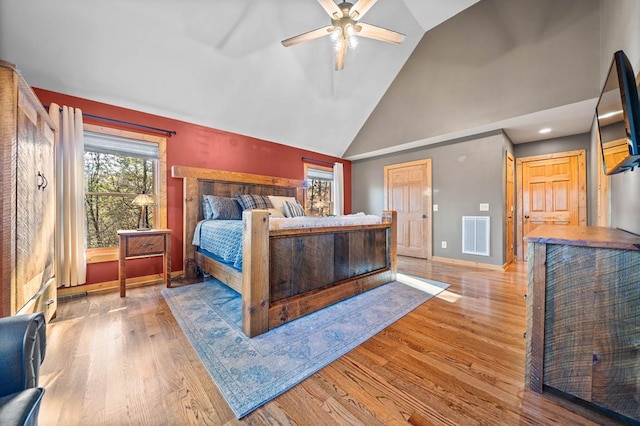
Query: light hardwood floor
pixel 458 359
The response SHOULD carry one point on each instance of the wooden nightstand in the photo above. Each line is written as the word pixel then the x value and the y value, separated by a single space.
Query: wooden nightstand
pixel 134 244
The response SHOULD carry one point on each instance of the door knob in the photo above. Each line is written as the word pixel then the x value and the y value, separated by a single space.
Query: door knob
pixel 424 216
pixel 526 216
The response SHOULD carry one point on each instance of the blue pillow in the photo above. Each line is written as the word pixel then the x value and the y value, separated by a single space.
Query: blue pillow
pixel 251 201
pixel 223 208
pixel 206 208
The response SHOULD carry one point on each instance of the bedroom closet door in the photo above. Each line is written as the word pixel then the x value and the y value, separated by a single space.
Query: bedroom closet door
pixel 510 208
pixel 551 191
pixel 407 190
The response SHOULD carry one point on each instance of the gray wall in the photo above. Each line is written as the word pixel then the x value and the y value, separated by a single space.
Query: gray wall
pixel 418 105
pixel 465 173
pixel 552 146
pixel 620 30
pixel 497 59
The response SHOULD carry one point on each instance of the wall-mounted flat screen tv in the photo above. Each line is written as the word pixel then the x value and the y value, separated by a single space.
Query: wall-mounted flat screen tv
pixel 618 117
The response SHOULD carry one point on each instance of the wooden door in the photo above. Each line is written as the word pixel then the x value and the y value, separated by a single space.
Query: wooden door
pixel 407 190
pixel 604 182
pixel 35 212
pixel 46 201
pixel 510 207
pixel 552 190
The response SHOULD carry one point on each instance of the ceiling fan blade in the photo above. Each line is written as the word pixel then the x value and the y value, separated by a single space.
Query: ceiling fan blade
pixel 360 8
pixel 311 35
pixel 340 56
pixel 379 33
pixel 331 8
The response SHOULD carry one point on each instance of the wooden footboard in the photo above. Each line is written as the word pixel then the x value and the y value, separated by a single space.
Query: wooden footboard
pixel 291 273
pixel 287 273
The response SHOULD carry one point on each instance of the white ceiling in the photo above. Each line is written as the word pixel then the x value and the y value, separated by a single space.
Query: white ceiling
pixel 220 63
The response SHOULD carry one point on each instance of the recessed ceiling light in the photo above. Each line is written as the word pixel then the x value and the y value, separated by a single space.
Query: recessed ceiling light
pixel 545 130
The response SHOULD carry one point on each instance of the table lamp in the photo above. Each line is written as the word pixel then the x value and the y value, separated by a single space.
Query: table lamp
pixel 143 200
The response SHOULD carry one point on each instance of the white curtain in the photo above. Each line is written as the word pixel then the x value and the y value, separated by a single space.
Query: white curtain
pixel 71 260
pixel 338 189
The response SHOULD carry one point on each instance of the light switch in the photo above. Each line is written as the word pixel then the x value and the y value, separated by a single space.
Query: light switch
pixel 435 207
pixel 484 207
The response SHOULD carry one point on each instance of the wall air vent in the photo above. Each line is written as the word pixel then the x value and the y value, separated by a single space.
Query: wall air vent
pixel 475 235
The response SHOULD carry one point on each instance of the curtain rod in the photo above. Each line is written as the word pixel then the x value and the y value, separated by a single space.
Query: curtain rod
pixel 318 161
pixel 127 123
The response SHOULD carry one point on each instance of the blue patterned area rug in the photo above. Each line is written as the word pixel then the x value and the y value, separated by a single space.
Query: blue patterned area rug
pixel 251 372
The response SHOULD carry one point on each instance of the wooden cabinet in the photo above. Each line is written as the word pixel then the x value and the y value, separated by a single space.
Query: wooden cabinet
pixel 583 315
pixel 27 199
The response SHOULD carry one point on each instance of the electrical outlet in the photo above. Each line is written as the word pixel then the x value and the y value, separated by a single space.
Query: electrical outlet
pixel 444 244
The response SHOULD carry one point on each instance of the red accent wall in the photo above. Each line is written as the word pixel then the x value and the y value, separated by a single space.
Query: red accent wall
pixel 195 146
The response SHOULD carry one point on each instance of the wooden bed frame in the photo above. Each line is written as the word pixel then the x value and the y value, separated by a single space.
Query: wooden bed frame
pixel 286 273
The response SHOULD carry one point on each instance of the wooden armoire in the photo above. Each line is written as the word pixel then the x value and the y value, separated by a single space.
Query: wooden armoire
pixel 27 199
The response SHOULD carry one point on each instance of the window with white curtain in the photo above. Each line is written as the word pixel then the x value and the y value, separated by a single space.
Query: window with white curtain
pixel 319 182
pixel 119 165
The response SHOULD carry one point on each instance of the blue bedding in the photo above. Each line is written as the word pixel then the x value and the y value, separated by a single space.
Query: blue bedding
pixel 221 239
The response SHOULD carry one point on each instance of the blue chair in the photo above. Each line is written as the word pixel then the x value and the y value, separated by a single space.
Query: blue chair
pixel 23 342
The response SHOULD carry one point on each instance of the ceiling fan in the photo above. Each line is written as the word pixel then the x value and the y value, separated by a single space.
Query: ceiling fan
pixel 344 28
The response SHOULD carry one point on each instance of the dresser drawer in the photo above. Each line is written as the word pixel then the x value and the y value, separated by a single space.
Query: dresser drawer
pixel 144 245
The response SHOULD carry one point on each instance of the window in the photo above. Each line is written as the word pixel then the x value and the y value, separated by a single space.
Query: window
pixel 319 182
pixel 118 165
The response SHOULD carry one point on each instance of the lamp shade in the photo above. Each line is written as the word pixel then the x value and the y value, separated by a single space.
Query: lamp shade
pixel 143 200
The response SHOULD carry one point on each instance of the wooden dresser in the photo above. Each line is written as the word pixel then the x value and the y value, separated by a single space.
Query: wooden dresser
pixel 583 315
pixel 27 194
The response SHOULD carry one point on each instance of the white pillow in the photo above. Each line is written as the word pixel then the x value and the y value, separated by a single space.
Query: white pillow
pixel 275 213
pixel 277 202
pixel 293 209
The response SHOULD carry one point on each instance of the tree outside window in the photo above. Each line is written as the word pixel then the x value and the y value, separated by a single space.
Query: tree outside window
pixel 112 182
pixel 319 200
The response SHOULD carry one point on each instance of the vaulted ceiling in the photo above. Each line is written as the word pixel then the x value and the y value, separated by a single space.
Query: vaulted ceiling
pixel 221 64
pixel 217 63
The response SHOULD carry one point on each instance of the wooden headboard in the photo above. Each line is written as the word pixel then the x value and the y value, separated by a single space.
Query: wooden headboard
pixel 198 182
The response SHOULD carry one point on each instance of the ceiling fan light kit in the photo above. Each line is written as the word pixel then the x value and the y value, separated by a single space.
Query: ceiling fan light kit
pixel 339 36
pixel 345 27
